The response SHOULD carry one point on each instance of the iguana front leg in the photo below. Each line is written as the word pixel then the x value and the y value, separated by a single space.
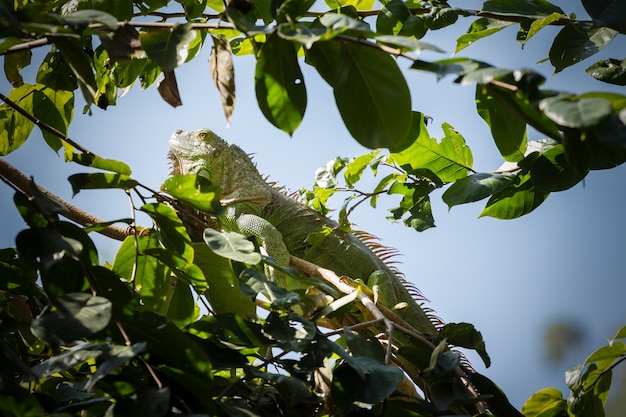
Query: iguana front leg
pixel 253 225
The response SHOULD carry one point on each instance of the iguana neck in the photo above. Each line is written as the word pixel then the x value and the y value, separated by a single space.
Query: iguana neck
pixel 202 152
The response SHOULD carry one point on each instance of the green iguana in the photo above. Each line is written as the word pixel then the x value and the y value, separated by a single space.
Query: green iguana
pixel 254 207
pixel 283 225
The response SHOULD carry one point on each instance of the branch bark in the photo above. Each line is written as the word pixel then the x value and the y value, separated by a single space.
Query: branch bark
pixel 21 182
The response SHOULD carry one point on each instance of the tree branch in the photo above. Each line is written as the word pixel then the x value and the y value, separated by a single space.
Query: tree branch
pixel 21 182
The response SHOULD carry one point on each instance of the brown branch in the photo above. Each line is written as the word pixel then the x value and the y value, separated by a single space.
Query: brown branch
pixel 20 181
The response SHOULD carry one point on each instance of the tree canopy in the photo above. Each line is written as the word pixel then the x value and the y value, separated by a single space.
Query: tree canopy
pixel 169 327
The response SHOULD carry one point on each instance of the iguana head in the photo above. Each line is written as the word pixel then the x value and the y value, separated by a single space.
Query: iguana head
pixel 202 152
pixel 193 151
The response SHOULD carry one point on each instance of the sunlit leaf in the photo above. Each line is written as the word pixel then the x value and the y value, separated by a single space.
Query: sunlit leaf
pixel 170 229
pixel 14 127
pixel 184 270
pixel 223 285
pixel 232 245
pixel 480 28
pixel 194 190
pixel 517 199
pixel 279 84
pixel 449 159
pixel 537 25
pixel 548 401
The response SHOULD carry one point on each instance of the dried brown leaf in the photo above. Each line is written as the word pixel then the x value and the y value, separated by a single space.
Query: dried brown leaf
pixel 223 73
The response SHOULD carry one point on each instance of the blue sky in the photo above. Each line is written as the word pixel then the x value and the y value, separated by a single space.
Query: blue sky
pixel 509 278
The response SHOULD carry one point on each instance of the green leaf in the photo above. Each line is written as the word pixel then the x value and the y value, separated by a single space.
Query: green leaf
pixel 366 380
pixel 607 13
pixel 291 332
pixel 279 84
pixel 475 187
pixel 195 190
pixel 15 128
pixel 450 159
pixel 610 71
pixel 67 359
pixel 46 247
pixel 361 346
pixel 576 113
pixel 81 65
pixel 537 25
pixel 168 48
pixel 493 395
pixel 450 66
pixel 354 170
pixel 253 282
pixel 170 229
pixel 416 203
pixel 223 285
pixel 13 64
pixel 114 357
pixel 578 41
pixel 173 347
pixel 526 109
pixel 372 97
pixel 407 44
pixel 71 317
pixel 545 403
pixel 357 4
pixel 232 245
pixel 184 270
pixel 516 200
pixel 466 335
pixel 16 401
pixel 535 9
pixel 480 28
pixel 508 130
pixel 552 172
pixel 342 22
pixel 391 17
pixel 98 180
pixel 94 161
pixel 440 17
pixel 87 16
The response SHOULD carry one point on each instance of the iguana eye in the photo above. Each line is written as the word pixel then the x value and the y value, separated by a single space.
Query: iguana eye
pixel 202 135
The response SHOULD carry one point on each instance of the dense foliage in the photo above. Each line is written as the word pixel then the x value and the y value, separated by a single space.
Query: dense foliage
pixel 184 326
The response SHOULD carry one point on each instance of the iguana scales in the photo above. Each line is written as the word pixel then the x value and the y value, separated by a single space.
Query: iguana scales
pixel 283 225
pixel 254 207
